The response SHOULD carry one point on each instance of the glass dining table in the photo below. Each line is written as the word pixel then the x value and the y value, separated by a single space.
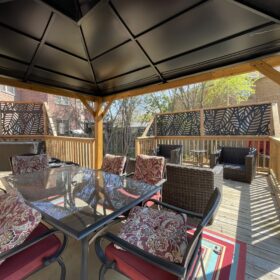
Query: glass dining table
pixel 79 201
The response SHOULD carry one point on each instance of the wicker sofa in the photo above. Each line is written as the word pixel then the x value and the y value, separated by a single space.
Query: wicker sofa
pixel 239 163
pixel 188 187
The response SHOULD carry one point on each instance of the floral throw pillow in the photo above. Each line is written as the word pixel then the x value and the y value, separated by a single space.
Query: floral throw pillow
pixel 29 164
pixel 113 164
pixel 17 221
pixel 149 169
pixel 161 233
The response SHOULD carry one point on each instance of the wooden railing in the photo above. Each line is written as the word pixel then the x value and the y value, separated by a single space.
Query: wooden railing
pixel 79 150
pixel 275 167
pixel 146 145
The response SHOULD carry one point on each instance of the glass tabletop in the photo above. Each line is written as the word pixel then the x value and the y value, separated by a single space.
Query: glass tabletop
pixel 77 200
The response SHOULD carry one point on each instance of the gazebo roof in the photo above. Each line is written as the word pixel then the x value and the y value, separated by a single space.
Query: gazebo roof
pixel 107 47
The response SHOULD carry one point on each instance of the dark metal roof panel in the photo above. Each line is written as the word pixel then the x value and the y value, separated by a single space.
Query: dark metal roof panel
pixel 103 47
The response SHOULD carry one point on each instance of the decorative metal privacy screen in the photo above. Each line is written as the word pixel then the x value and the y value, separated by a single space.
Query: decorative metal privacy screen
pixel 246 120
pixel 186 123
pixel 21 119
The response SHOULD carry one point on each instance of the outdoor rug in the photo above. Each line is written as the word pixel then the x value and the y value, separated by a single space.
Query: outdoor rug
pixel 223 257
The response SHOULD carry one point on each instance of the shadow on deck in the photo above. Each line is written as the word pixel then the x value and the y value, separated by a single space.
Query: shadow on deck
pixel 249 213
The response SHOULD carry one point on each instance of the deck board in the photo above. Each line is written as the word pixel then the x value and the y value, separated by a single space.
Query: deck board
pixel 247 212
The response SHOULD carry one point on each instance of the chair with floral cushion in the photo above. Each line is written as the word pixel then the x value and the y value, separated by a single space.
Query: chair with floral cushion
pixel 113 164
pixel 149 169
pixel 26 244
pixel 28 163
pixel 155 244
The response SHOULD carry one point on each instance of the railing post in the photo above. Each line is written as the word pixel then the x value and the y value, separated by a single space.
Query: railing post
pixel 137 147
pixel 1 131
pixel 202 131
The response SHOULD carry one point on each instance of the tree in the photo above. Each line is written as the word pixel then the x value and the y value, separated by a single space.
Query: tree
pixel 119 138
pixel 229 91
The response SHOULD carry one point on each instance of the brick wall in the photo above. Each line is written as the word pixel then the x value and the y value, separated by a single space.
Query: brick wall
pixel 6 97
pixel 266 91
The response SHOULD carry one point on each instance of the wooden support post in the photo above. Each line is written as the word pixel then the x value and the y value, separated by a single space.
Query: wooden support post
pixel 275 119
pixel 98 128
pixel 267 70
pixel 98 113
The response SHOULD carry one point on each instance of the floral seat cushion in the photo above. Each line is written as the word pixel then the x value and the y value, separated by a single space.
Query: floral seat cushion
pixel 29 164
pixel 17 221
pixel 149 169
pixel 161 233
pixel 113 164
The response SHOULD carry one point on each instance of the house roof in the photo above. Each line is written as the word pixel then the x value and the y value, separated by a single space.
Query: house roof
pixel 107 47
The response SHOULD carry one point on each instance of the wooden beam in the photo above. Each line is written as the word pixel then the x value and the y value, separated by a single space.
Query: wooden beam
pixel 45 89
pixel 267 70
pixel 86 104
pixel 98 128
pixel 232 70
pixel 106 108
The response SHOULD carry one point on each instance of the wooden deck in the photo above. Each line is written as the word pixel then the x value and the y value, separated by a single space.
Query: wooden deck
pixel 248 213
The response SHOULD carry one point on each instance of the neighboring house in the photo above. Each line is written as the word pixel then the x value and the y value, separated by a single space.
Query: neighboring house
pixel 266 91
pixel 68 114
pixel 7 93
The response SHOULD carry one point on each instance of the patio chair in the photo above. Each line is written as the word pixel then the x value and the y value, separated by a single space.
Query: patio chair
pixel 136 263
pixel 28 163
pixel 113 164
pixel 191 187
pixel 239 163
pixel 172 153
pixel 41 248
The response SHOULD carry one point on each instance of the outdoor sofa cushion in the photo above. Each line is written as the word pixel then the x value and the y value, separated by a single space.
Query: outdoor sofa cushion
pixel 17 221
pixel 159 232
pixel 113 164
pixel 149 169
pixel 24 263
pixel 29 164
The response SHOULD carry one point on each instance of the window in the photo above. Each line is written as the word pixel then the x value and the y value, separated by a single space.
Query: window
pixel 61 100
pixel 7 89
pixel 62 126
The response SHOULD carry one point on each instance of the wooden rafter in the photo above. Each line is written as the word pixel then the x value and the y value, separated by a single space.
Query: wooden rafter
pixel 267 70
pixel 106 108
pixel 87 105
pixel 45 89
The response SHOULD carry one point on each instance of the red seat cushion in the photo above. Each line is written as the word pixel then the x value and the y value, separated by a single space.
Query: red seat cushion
pixel 135 267
pixel 24 263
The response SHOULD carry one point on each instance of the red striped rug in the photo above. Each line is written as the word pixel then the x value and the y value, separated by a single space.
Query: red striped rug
pixel 223 257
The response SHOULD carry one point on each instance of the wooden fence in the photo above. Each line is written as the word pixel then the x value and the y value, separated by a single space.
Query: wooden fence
pixel 79 150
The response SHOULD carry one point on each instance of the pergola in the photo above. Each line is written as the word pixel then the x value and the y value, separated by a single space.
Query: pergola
pixel 100 51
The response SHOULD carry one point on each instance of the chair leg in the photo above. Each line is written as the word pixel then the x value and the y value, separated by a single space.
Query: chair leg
pixel 62 269
pixel 202 268
pixel 102 272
